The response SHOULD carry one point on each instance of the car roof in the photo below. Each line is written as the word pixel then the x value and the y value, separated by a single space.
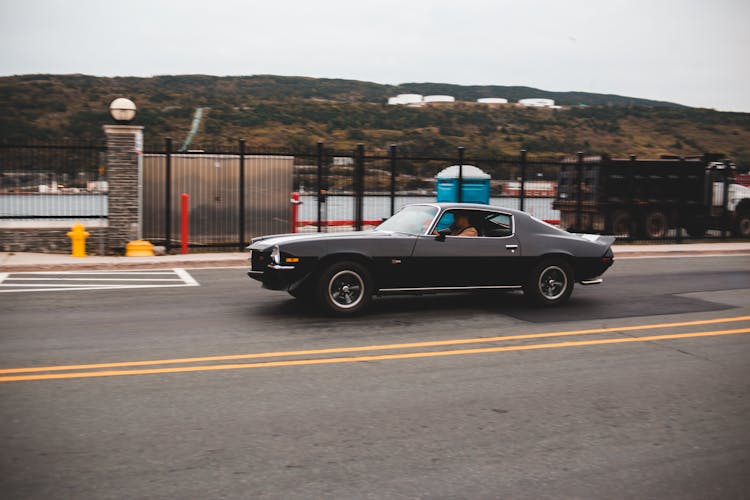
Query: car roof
pixel 471 206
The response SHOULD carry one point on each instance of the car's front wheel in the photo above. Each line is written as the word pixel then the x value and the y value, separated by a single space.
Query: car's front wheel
pixel 551 283
pixel 344 288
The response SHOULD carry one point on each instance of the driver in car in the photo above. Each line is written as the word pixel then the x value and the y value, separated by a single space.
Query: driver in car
pixel 461 226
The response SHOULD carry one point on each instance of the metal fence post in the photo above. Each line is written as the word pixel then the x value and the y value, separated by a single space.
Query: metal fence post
pixel 579 191
pixel 168 196
pixel 359 187
pixel 242 195
pixel 523 180
pixel 460 173
pixel 393 179
pixel 724 208
pixel 320 184
pixel 680 199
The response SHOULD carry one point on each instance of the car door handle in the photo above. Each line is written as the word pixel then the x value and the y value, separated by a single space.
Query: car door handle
pixel 512 248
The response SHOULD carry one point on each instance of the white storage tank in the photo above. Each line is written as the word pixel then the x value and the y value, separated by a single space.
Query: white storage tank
pixel 492 100
pixel 410 98
pixel 434 99
pixel 537 102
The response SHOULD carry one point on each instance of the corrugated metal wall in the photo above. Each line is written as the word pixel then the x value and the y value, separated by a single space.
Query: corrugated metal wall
pixel 213 183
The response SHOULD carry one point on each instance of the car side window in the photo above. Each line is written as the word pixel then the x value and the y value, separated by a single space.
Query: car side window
pixel 460 222
pixel 445 221
pixel 498 225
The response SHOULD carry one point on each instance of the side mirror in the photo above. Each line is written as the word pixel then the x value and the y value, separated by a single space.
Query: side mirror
pixel 442 234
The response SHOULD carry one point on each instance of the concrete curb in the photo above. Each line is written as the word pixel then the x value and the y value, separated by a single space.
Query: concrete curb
pixel 677 253
pixel 121 265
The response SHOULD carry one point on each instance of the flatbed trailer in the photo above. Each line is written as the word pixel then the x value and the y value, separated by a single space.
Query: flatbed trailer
pixel 647 198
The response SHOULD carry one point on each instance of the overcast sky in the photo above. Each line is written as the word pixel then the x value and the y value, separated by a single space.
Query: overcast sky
pixel 694 52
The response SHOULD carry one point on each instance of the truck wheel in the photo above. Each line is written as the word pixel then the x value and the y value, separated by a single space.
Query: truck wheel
pixel 656 225
pixel 551 283
pixel 344 288
pixel 696 228
pixel 742 227
pixel 622 224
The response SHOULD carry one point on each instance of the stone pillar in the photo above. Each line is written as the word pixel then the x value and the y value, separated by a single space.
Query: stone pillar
pixel 124 150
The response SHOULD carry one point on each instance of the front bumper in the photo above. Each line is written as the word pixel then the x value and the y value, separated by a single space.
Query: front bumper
pixel 277 277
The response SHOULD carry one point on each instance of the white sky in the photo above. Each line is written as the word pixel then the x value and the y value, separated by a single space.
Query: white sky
pixel 695 52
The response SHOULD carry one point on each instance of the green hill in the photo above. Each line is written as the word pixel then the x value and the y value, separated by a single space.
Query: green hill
pixel 295 112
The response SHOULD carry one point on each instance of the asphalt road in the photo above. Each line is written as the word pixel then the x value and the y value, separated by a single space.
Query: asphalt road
pixel 638 388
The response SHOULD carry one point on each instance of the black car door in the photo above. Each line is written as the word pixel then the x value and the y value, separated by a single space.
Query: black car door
pixel 455 261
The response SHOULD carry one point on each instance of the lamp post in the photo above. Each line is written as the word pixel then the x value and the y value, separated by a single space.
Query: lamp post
pixel 122 110
pixel 125 197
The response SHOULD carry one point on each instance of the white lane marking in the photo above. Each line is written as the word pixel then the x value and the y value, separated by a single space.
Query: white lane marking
pixel 86 273
pixel 95 279
pixel 102 287
pixel 186 278
pixel 85 280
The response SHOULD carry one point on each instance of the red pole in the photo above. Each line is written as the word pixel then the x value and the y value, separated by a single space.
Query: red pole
pixel 295 210
pixel 185 222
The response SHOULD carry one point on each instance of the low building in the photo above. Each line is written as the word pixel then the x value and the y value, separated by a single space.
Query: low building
pixel 537 102
pixel 439 99
pixel 406 100
pixel 492 101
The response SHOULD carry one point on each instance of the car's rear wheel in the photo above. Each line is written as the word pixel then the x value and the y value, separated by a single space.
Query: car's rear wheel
pixel 551 283
pixel 344 288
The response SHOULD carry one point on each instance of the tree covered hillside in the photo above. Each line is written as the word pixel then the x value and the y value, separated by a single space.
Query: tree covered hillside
pixel 294 113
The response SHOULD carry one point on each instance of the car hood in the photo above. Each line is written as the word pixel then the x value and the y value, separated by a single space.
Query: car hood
pixel 263 242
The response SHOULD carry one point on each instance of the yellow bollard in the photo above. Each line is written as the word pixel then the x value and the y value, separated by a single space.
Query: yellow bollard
pixel 139 248
pixel 78 235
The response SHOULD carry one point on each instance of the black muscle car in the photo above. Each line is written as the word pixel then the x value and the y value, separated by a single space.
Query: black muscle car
pixel 415 252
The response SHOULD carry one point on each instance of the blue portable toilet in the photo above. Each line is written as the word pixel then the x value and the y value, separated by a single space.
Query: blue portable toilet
pixel 475 185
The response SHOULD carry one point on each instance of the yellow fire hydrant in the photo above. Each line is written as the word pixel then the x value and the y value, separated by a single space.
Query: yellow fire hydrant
pixel 78 235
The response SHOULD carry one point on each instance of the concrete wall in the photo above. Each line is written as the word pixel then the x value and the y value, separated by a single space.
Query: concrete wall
pixel 47 240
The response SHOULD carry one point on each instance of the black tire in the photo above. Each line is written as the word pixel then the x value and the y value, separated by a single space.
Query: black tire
pixel 551 283
pixel 344 288
pixel 656 225
pixel 696 227
pixel 621 224
pixel 742 226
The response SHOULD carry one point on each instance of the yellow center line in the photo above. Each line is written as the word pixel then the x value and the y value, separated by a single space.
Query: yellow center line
pixel 341 350
pixel 358 359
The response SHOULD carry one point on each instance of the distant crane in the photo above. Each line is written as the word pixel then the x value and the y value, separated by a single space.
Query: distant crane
pixel 197 117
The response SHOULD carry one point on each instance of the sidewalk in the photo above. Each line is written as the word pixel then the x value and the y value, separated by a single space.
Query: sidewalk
pixel 27 261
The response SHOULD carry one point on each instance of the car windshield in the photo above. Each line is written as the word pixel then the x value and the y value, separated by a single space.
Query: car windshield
pixel 414 219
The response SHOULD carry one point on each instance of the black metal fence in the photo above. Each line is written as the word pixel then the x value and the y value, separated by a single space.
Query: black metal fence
pixel 355 189
pixel 43 182
pixel 238 194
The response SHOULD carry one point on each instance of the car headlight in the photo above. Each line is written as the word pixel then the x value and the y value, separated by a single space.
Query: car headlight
pixel 276 255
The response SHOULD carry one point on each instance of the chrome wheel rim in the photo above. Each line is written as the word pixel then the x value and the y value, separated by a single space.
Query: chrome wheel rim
pixel 552 283
pixel 346 289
